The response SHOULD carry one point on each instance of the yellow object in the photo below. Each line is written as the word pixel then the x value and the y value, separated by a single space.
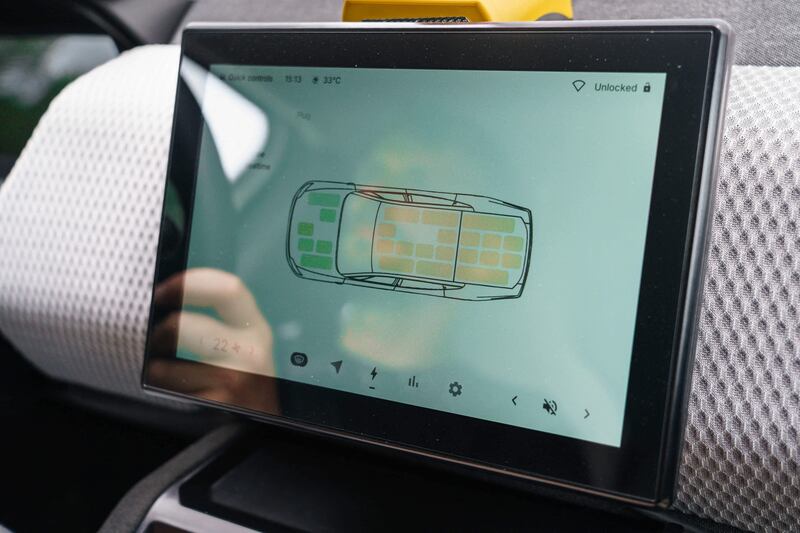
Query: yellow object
pixel 472 11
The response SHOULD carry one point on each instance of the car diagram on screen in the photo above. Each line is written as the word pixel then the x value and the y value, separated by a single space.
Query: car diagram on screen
pixel 450 245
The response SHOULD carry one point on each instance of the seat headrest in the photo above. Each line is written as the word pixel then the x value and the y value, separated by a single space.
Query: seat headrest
pixel 79 221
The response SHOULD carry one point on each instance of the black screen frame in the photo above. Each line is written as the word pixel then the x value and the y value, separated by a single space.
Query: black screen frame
pixel 642 470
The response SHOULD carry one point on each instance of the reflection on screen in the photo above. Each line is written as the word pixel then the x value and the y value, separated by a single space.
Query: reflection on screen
pixel 466 241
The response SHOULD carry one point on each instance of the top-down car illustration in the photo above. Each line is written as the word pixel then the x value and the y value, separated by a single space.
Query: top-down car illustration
pixel 452 245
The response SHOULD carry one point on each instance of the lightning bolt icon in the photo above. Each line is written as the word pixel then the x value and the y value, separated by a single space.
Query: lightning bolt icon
pixel 374 373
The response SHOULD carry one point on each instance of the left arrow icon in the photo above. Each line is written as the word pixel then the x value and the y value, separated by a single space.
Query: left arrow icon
pixel 337 365
pixel 514 400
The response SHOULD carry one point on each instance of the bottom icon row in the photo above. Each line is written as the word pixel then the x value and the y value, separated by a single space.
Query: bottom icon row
pixel 455 388
pixel 300 359
pixel 550 407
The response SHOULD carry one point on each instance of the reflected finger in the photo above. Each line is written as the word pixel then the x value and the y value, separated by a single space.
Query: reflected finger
pixel 208 287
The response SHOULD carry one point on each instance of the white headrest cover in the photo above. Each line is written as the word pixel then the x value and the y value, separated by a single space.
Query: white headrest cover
pixel 79 221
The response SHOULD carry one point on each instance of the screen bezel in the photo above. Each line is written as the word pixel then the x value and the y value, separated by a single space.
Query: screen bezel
pixel 642 469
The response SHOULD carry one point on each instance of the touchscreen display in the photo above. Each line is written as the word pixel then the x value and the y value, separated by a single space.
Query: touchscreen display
pixel 464 241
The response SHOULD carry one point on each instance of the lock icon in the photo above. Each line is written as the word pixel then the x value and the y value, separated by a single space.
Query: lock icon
pixel 647 87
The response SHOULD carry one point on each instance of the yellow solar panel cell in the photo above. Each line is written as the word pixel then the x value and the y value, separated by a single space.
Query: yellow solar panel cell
pixel 513 244
pixel 438 217
pixel 466 255
pixel 447 236
pixel 484 276
pixel 496 223
pixel 409 215
pixel 404 248
pixel 387 230
pixel 490 258
pixel 384 246
pixel 425 251
pixel 445 253
pixel 433 269
pixel 396 264
pixel 512 261
pixel 491 240
pixel 470 238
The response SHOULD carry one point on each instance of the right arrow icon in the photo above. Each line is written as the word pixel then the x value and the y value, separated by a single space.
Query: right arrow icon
pixel 587 413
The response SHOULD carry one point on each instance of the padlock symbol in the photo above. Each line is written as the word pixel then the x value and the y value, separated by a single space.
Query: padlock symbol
pixel 647 87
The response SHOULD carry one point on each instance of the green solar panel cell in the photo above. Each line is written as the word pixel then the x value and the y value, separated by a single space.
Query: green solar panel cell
pixel 323 199
pixel 305 245
pixel 305 228
pixel 324 247
pixel 320 262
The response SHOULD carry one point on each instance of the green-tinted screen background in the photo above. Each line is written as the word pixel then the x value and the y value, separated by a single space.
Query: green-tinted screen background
pixel 581 161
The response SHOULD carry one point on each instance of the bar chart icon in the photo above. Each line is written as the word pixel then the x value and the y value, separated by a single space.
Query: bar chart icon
pixel 413 383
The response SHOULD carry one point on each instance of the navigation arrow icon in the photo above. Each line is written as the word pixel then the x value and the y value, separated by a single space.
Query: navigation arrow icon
pixel 514 400
pixel 587 413
pixel 337 365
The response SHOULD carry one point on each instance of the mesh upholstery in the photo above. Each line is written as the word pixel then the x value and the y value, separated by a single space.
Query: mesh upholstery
pixel 741 461
pixel 79 221
pixel 79 218
pixel 766 30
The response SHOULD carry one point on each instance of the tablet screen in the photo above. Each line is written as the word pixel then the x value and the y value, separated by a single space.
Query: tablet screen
pixel 465 241
pixel 478 244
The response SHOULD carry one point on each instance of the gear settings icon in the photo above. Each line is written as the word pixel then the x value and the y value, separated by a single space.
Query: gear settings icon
pixel 455 388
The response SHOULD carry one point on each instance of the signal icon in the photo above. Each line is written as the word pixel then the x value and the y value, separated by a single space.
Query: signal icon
pixel 413 383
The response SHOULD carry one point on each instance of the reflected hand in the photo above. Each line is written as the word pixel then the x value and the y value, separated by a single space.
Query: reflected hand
pixel 241 339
